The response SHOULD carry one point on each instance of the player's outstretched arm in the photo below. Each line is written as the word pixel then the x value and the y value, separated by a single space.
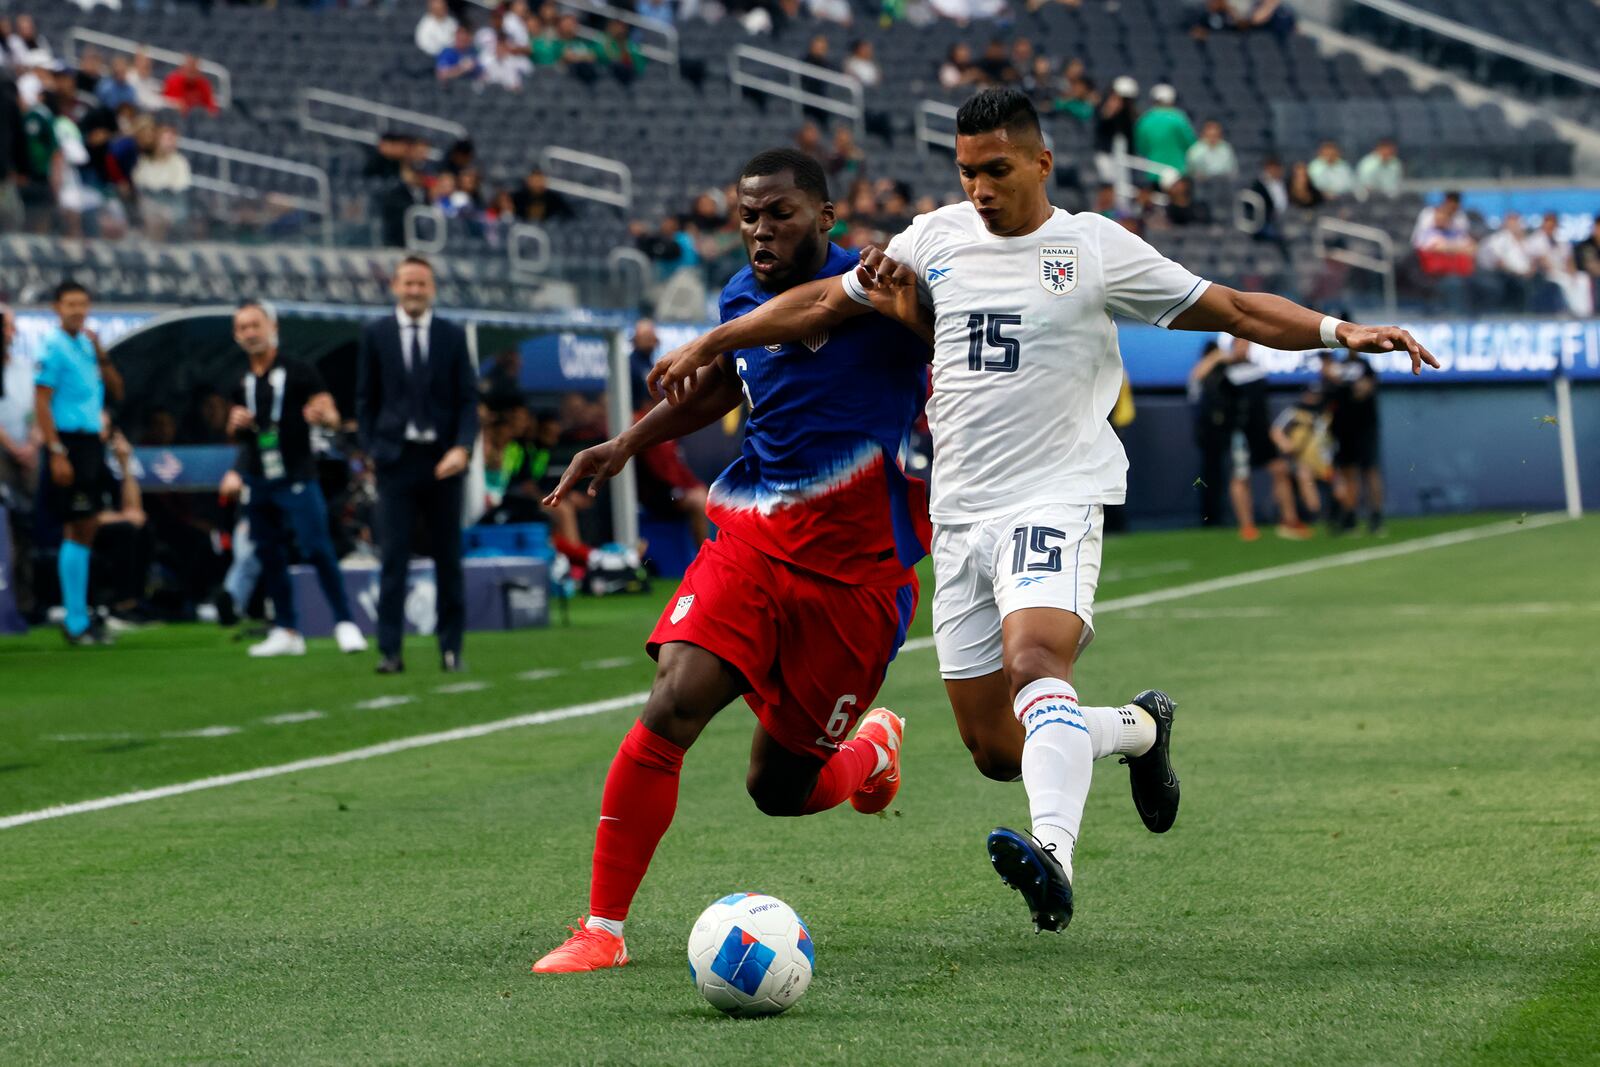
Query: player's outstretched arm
pixel 804 311
pixel 715 393
pixel 1282 324
pixel 892 288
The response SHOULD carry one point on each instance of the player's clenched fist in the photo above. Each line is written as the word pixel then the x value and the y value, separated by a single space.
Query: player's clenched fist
pixel 892 288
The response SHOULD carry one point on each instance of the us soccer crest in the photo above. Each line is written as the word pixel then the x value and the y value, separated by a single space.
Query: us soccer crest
pixel 681 608
pixel 1058 268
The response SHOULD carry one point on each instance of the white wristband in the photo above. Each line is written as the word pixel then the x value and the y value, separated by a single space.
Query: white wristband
pixel 1330 331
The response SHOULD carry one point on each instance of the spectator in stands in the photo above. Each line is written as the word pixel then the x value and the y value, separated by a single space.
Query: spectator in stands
pixel 91 69
pixel 1079 98
pixel 33 75
pixel 817 55
pixel 995 64
pixel 436 29
pixel 25 41
pixel 1380 171
pixel 150 89
pixel 406 192
pixel 1182 209
pixel 669 248
pixel 504 68
pixel 1113 126
pixel 847 160
pixel 1330 173
pixel 1164 134
pixel 962 12
pixel 1272 15
pixel 459 60
pixel 446 195
pixel 516 23
pixel 861 65
pixel 1303 192
pixel 1445 249
pixel 1215 17
pixel 660 10
pixel 1563 290
pixel 1039 81
pixel 387 155
pixel 117 88
pixel 1211 157
pixel 1506 265
pixel 809 140
pixel 1586 255
pixel 619 52
pixel 14 165
pixel 535 202
pixel 562 47
pixel 958 70
pixel 163 179
pixel 1273 190
pixel 835 11
pixel 186 88
pixel 44 161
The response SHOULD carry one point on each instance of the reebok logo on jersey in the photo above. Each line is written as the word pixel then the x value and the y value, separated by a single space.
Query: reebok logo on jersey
pixel 1058 268
pixel 1028 580
pixel 937 273
pixel 681 608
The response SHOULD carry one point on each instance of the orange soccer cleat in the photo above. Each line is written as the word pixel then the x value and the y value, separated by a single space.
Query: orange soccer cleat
pixel 886 730
pixel 587 949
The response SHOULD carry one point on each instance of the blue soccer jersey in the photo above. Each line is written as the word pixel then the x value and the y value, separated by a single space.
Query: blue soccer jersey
pixel 70 368
pixel 819 482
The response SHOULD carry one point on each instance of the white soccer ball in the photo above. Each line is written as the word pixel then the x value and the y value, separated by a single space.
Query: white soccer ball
pixel 750 954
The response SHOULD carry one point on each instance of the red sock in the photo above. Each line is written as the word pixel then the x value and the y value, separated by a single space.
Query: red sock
pixel 635 810
pixel 842 775
pixel 577 552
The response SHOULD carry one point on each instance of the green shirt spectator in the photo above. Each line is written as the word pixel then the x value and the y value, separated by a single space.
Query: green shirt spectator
pixel 1163 134
pixel 1211 157
pixel 1379 173
pixel 1330 173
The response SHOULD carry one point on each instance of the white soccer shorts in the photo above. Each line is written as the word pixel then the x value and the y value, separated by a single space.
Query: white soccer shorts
pixel 1043 556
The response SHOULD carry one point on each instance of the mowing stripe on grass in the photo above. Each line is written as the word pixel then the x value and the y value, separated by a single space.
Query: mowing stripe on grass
pixel 539 718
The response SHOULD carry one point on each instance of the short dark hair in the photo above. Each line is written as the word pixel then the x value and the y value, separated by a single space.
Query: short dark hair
pixel 998 109
pixel 67 288
pixel 808 175
pixel 415 261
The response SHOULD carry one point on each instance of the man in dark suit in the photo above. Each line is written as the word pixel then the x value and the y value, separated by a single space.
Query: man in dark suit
pixel 417 406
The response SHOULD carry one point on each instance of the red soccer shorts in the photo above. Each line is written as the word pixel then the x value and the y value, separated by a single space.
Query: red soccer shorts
pixel 813 650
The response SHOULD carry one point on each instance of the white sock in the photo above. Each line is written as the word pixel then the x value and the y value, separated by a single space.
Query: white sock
pixel 1057 762
pixel 1127 731
pixel 610 926
pixel 883 758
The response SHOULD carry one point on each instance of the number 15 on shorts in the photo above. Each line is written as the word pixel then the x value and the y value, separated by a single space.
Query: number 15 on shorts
pixel 1036 549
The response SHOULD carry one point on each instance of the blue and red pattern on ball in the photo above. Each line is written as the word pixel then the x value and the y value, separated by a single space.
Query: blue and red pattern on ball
pixel 743 961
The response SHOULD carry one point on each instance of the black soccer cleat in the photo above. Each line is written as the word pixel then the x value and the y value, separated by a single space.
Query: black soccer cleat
pixel 1031 868
pixel 1155 784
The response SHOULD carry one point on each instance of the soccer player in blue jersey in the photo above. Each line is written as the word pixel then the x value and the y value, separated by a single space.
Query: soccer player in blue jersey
pixel 74 375
pixel 804 597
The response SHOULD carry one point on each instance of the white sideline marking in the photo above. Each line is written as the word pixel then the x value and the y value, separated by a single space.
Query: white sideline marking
pixel 293 716
pixel 461 687
pixel 404 744
pixel 607 664
pixel 539 718
pixel 541 674
pixel 382 702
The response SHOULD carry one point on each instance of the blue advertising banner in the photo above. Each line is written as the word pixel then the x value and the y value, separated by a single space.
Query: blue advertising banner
pixel 181 468
pixel 1496 351
pixel 565 362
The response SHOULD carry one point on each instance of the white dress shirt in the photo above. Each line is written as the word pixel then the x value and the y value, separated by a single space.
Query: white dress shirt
pixel 419 337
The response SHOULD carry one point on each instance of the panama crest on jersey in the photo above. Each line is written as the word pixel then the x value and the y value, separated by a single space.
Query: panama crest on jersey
pixel 1058 268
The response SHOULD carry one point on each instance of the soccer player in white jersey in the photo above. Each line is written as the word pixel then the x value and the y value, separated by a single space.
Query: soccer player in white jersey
pixel 1018 297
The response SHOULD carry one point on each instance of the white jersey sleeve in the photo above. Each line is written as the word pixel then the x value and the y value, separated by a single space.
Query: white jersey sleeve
pixel 902 249
pixel 1140 282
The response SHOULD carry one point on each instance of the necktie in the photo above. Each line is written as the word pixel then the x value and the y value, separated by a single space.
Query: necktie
pixel 421 410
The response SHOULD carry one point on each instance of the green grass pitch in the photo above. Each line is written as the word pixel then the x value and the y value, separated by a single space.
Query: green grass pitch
pixel 1389 848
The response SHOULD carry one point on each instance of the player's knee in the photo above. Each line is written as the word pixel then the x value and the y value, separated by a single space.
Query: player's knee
pixel 996 762
pixel 773 797
pixel 1032 662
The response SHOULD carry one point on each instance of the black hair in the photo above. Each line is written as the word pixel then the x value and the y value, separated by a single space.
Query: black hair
pixel 999 109
pixel 68 287
pixel 808 175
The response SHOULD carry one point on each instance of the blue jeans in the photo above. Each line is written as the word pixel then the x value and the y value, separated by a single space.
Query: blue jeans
pixel 277 512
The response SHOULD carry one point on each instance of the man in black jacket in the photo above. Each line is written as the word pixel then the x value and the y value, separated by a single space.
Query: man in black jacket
pixel 417 407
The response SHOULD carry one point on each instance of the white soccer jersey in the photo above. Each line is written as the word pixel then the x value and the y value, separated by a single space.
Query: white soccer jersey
pixel 1026 366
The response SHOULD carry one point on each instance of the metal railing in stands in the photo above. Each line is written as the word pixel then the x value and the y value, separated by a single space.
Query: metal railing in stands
pixel 796 73
pixel 526 265
pixel 416 240
pixel 382 116
pixel 223 78
pixel 664 49
pixel 1488 42
pixel 1249 212
pixel 929 113
pixel 1379 260
pixel 227 182
pixel 557 161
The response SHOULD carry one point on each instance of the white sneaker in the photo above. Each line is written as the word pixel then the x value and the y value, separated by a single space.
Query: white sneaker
pixel 280 642
pixel 349 637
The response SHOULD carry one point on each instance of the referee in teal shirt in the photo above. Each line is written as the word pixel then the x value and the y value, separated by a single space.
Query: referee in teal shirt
pixel 70 386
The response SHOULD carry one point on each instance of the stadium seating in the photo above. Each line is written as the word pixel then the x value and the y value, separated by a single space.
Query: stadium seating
pixel 1272 96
